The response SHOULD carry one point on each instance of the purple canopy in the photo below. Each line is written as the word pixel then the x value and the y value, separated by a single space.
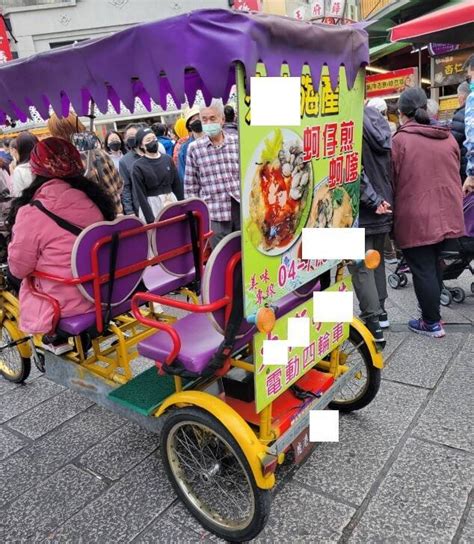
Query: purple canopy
pixel 175 56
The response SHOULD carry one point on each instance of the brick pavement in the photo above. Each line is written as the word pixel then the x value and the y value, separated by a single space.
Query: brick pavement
pixel 73 472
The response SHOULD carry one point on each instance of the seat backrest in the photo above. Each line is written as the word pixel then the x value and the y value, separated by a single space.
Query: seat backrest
pixel 213 284
pixel 176 235
pixel 131 250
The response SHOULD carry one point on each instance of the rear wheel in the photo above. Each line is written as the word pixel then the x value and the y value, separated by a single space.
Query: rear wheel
pixel 446 298
pixel 364 386
pixel 211 475
pixel 458 295
pixel 394 281
pixel 403 279
pixel 13 366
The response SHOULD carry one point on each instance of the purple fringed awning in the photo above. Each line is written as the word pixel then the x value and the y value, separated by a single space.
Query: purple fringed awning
pixel 175 56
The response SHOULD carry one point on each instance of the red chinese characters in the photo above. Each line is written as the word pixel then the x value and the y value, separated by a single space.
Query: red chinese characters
pixel 330 139
pixel 352 168
pixel 347 136
pixel 323 344
pixel 311 143
pixel 273 382
pixel 337 332
pixel 336 172
pixel 292 369
pixel 309 355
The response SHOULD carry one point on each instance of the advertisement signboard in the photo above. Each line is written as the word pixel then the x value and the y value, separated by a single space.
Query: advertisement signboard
pixel 297 177
pixel 391 83
pixel 5 51
pixel 449 69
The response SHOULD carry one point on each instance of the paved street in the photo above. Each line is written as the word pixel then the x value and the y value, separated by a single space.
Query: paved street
pixel 71 471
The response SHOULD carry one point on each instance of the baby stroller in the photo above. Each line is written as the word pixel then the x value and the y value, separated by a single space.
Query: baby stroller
pixel 456 257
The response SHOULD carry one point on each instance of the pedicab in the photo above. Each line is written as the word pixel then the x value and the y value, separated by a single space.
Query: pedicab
pixel 227 418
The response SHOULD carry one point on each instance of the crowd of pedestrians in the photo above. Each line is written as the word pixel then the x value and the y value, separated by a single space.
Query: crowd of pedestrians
pixel 413 177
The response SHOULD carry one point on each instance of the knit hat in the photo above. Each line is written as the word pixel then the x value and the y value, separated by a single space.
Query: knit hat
pixel 141 134
pixel 56 158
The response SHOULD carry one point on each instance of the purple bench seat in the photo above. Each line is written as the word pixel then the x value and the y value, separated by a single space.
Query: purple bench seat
pixel 200 339
pixel 156 280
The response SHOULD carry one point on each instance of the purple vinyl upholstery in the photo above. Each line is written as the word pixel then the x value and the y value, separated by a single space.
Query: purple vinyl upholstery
pixel 200 339
pixel 131 250
pixel 213 284
pixel 177 235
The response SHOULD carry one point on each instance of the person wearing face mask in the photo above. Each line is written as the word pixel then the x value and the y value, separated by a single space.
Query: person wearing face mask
pixel 427 202
pixel 126 164
pixel 194 126
pixel 114 146
pixel 212 172
pixel 155 180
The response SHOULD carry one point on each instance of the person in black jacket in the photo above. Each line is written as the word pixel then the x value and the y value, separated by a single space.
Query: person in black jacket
pixel 458 126
pixel 155 180
pixel 375 216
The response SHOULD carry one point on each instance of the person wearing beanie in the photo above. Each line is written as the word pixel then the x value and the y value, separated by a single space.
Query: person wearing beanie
pixel 59 193
pixel 427 202
pixel 155 180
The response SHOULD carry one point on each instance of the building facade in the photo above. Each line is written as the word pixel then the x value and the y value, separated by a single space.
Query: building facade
pixel 40 25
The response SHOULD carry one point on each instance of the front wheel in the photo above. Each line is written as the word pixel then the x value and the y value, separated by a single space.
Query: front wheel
pixel 446 297
pixel 458 294
pixel 13 367
pixel 394 281
pixel 364 386
pixel 211 475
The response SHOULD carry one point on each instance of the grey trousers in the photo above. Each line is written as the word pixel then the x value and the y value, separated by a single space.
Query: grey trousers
pixel 222 228
pixel 370 286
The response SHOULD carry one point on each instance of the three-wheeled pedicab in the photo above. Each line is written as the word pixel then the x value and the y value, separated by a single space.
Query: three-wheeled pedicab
pixel 227 418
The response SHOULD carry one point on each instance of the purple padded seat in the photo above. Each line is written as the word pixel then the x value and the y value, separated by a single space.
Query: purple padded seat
pixel 170 237
pixel 199 335
pixel 131 250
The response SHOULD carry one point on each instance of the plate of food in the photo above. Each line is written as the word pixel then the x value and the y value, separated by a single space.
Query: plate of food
pixel 278 192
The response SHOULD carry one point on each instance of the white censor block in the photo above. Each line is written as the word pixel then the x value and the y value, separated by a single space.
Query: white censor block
pixel 298 332
pixel 333 306
pixel 332 243
pixel 324 426
pixel 275 352
pixel 275 101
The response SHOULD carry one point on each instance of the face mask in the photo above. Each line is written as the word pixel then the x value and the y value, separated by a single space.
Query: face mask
pixel 196 126
pixel 115 146
pixel 131 142
pixel 152 147
pixel 212 129
pixel 471 86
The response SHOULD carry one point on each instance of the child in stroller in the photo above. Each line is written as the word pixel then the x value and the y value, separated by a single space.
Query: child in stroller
pixel 457 256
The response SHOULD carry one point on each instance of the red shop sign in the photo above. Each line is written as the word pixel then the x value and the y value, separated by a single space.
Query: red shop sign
pixel 247 5
pixel 391 83
pixel 5 51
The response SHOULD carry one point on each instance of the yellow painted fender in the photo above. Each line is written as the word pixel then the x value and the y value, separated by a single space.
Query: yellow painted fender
pixel 252 448
pixel 24 348
pixel 377 359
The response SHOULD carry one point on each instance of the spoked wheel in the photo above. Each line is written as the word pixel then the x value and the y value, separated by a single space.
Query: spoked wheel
pixel 13 366
pixel 211 475
pixel 363 387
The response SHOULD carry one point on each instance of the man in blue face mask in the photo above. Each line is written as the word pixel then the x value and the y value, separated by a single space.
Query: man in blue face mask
pixel 212 172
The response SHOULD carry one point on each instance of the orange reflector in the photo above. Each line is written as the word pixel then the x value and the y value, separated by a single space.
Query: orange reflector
pixel 372 259
pixel 265 319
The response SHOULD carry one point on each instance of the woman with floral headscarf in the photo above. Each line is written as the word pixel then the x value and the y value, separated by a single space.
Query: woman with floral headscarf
pixel 59 189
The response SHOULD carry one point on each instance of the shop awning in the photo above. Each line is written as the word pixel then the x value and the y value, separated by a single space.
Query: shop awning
pixel 453 24
pixel 177 57
pixel 385 49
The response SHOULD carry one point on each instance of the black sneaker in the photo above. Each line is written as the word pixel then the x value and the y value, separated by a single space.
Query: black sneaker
pixel 383 320
pixel 376 331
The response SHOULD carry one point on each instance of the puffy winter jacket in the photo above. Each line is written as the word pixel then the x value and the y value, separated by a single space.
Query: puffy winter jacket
pixel 458 130
pixel 38 243
pixel 376 182
pixel 427 186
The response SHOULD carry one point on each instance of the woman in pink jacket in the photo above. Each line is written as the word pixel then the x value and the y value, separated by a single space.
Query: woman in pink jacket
pixel 39 243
